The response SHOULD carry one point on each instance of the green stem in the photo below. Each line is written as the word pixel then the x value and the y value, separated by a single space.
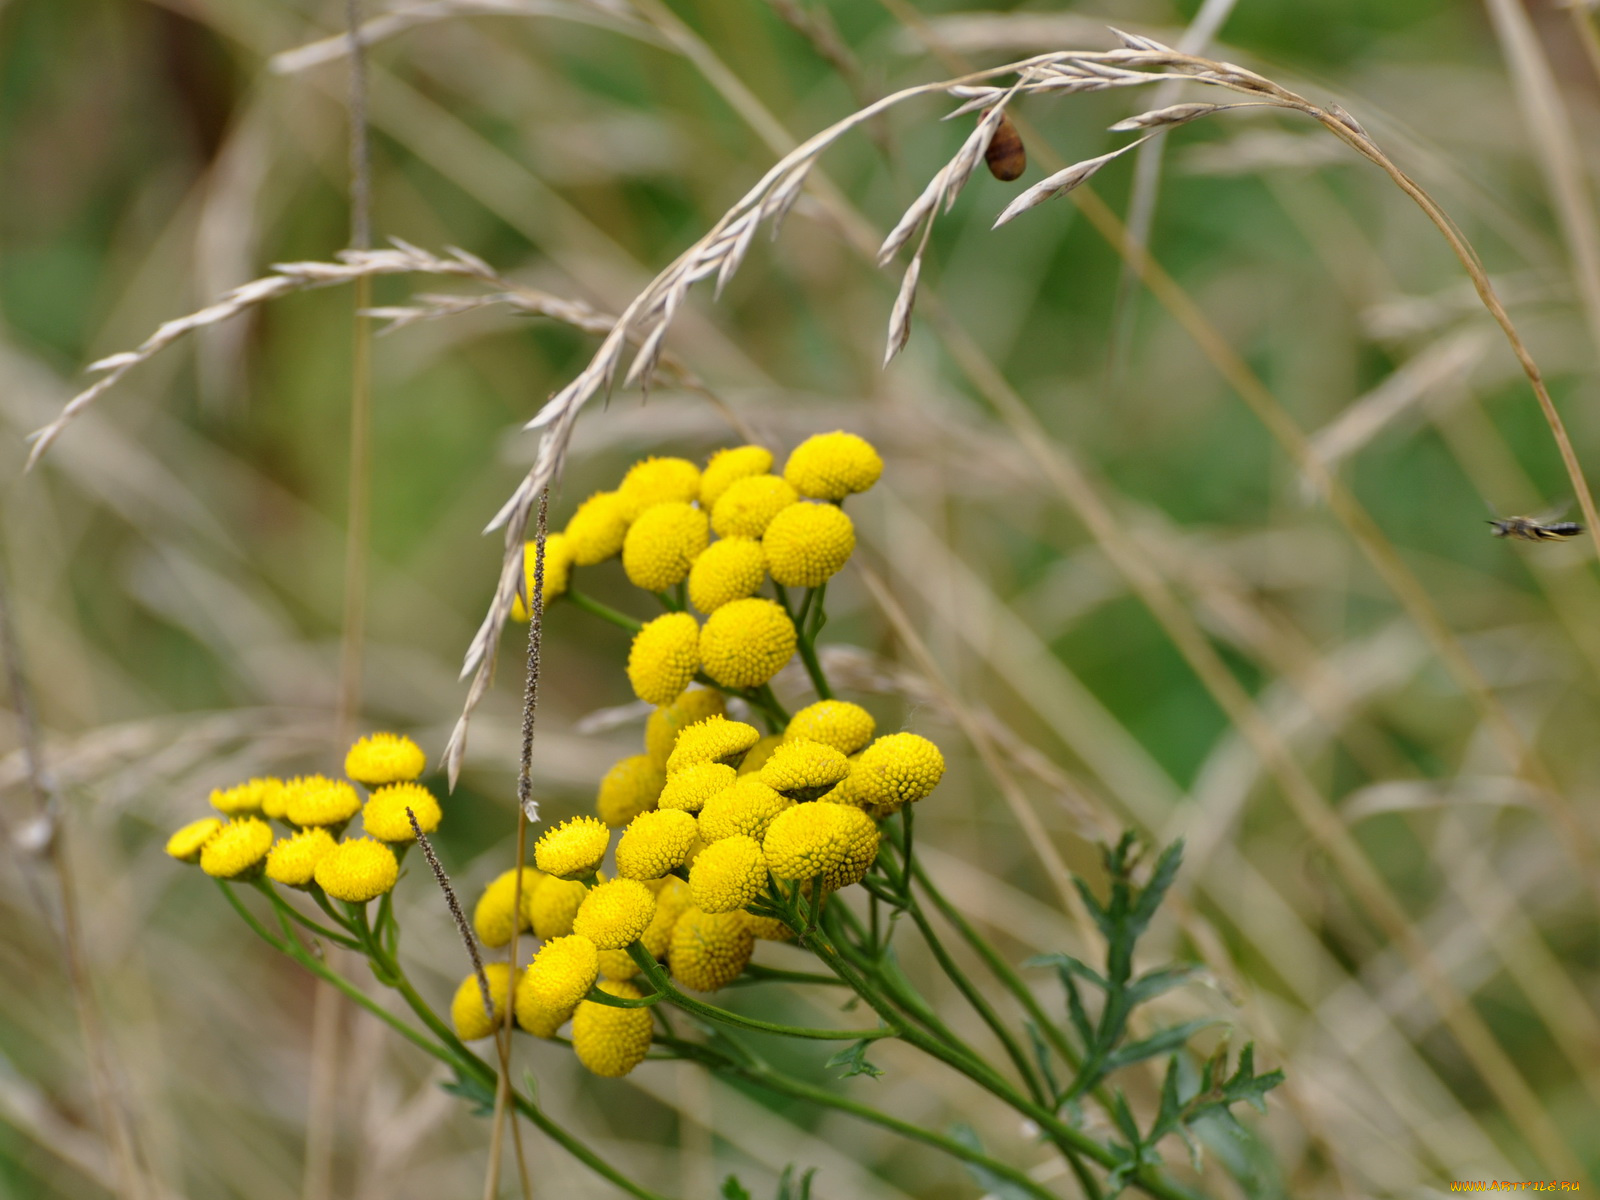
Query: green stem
pixel 756 973
pixel 294 914
pixel 669 601
pixel 604 611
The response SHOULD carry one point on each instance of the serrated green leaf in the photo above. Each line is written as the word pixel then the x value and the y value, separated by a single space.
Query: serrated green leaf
pixel 1041 1055
pixel 1166 870
pixel 1123 1116
pixel 1163 1041
pixel 1065 962
pixel 732 1189
pixel 854 1058
pixel 479 1097
pixel 1153 983
pixel 789 1189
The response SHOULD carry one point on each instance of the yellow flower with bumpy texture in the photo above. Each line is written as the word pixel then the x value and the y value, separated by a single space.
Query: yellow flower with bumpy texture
pixel 612 1041
pixel 829 466
pixel 807 544
pixel 385 817
pixel 653 481
pixel 662 545
pixel 384 758
pixel 496 916
pixel 293 860
pixel 728 875
pixel 729 570
pixel 709 950
pixel 664 657
pixel 630 787
pixel 688 789
pixel 559 976
pixel 838 723
pixel 557 571
pixel 895 770
pixel 672 901
pixel 760 753
pixel 245 799
pixel 315 800
pixel 553 907
pixel 617 964
pixel 768 929
pixel 614 914
pixel 832 840
pixel 661 729
pixel 236 849
pixel 747 507
pixel 466 1010
pixel 747 807
pixel 572 849
pixel 185 845
pixel 715 739
pixel 746 643
pixel 726 466
pixel 596 531
pixel 803 770
pixel 358 870
pixel 654 843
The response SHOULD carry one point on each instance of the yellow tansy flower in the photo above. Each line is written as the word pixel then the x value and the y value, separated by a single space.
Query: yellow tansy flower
pixel 832 840
pixel 729 874
pixel 384 758
pixel 616 913
pixel 185 845
pixel 896 770
pixel 245 799
pixel 759 753
pixel 747 807
pixel 838 723
pixel 829 466
pixel 384 816
pixel 715 739
pixel 554 906
pixel 466 1010
pixel 736 462
pixel 689 788
pixel 662 544
pixel 629 788
pixel 709 950
pixel 664 657
pixel 654 843
pixel 358 870
pixel 807 543
pixel 293 860
pixel 236 849
pixel 730 569
pixel 315 800
pixel 747 506
pixel 746 642
pixel 672 901
pixel 803 770
pixel 661 730
pixel 597 529
pixel 612 1041
pixel 617 964
pixel 496 916
pixel 558 558
pixel 572 849
pixel 653 481
pixel 559 976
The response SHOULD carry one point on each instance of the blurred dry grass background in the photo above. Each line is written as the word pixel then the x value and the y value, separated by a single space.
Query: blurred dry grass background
pixel 175 564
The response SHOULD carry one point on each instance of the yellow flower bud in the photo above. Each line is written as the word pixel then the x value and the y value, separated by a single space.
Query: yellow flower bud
pixel 293 860
pixel 730 569
pixel 760 753
pixel 688 789
pixel 672 901
pixel 245 799
pixel 838 723
pixel 316 800
pixel 559 976
pixel 803 769
pixel 630 787
pixel 747 506
pixel 832 840
pixel 572 849
pixel 186 844
pixel 747 807
pixel 496 916
pixel 662 545
pixel 384 816
pixel 384 758
pixel 746 642
pixel 728 875
pixel 715 739
pixel 807 544
pixel 236 849
pixel 553 907
pixel 466 1010
pixel 653 481
pixel 896 770
pixel 664 657
pixel 357 870
pixel 612 1041
pixel 654 843
pixel 558 556
pixel 829 466
pixel 709 950
pixel 596 531
pixel 614 914
pixel 661 730
pixel 738 462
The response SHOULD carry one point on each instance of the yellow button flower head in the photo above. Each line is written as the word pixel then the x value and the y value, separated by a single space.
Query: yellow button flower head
pixel 661 730
pixel 629 788
pixel 315 800
pixel 672 901
pixel 662 545
pixel 760 753
pixel 729 570
pixel 728 875
pixel 559 976
pixel 745 643
pixel 829 466
pixel 688 789
pixel 653 481
pixel 293 860
pixel 838 723
pixel 275 801
pixel 832 840
pixel 185 845
pixel 747 807
pixel 895 770
pixel 557 571
pixel 803 770
pixel 358 870
pixel 384 758
pixel 496 917
pixel 715 739
pixel 654 843
pixel 385 818
pixel 466 1010
pixel 807 544
pixel 768 929
pixel 236 849
pixel 664 657
pixel 245 799
pixel 596 530
pixel 617 964
pixel 612 1041
pixel 572 849
pixel 553 907
pixel 709 950
pixel 726 466
pixel 747 506
pixel 615 914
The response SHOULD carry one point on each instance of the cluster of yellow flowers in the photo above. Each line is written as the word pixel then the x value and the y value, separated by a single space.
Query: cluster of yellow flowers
pixel 240 844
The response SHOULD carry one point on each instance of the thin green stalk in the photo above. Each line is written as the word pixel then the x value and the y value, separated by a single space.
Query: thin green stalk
pixel 604 611
pixel 756 973
pixel 294 914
